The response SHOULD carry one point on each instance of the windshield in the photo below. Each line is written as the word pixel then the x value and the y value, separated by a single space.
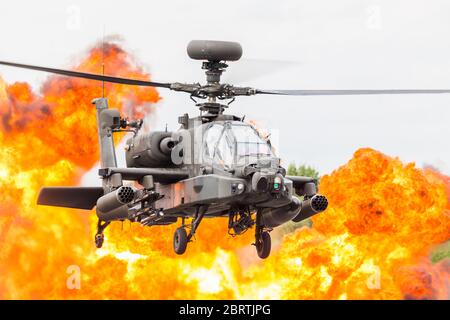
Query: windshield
pixel 249 145
pixel 224 154
pixel 211 139
pixel 233 143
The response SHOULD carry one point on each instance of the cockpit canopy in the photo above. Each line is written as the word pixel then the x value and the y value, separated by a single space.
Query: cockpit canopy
pixel 232 143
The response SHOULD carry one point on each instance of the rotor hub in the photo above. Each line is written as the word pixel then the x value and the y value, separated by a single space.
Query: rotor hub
pixel 213 108
pixel 214 70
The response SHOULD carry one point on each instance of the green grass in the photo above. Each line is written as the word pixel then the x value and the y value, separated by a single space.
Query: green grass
pixel 441 252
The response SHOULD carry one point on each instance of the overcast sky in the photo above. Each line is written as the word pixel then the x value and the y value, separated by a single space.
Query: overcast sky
pixel 329 45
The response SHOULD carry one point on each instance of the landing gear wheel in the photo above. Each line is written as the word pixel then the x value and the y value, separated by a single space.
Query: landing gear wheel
pixel 180 240
pixel 263 245
pixel 99 238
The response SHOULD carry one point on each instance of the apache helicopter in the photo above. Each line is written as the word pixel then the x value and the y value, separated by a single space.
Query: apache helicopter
pixel 215 165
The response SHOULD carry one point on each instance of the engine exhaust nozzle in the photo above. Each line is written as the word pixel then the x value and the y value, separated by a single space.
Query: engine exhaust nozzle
pixel 166 145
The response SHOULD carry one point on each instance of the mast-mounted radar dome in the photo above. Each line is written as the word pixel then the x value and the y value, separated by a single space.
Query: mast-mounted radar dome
pixel 214 50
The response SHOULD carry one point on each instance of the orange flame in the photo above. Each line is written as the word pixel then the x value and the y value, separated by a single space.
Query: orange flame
pixel 372 243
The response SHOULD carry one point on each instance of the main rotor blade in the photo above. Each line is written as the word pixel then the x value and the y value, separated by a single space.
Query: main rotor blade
pixel 90 76
pixel 350 92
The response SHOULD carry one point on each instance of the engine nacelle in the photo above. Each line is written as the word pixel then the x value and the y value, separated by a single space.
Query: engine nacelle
pixel 150 150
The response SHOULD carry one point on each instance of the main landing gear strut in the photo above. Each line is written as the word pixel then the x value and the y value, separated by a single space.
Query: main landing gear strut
pixel 263 243
pixel 181 237
pixel 99 236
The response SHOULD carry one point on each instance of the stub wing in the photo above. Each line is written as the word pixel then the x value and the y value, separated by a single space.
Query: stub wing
pixel 70 197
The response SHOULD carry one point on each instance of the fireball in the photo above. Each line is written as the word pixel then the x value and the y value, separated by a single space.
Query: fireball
pixel 373 242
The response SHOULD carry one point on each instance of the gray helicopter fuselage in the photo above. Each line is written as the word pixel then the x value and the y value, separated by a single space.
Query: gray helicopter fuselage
pixel 220 157
pixel 213 165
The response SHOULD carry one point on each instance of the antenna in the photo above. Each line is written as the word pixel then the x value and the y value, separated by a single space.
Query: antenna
pixel 103 82
pixel 103 61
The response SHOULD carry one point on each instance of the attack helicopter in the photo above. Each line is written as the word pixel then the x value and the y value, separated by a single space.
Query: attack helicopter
pixel 214 165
